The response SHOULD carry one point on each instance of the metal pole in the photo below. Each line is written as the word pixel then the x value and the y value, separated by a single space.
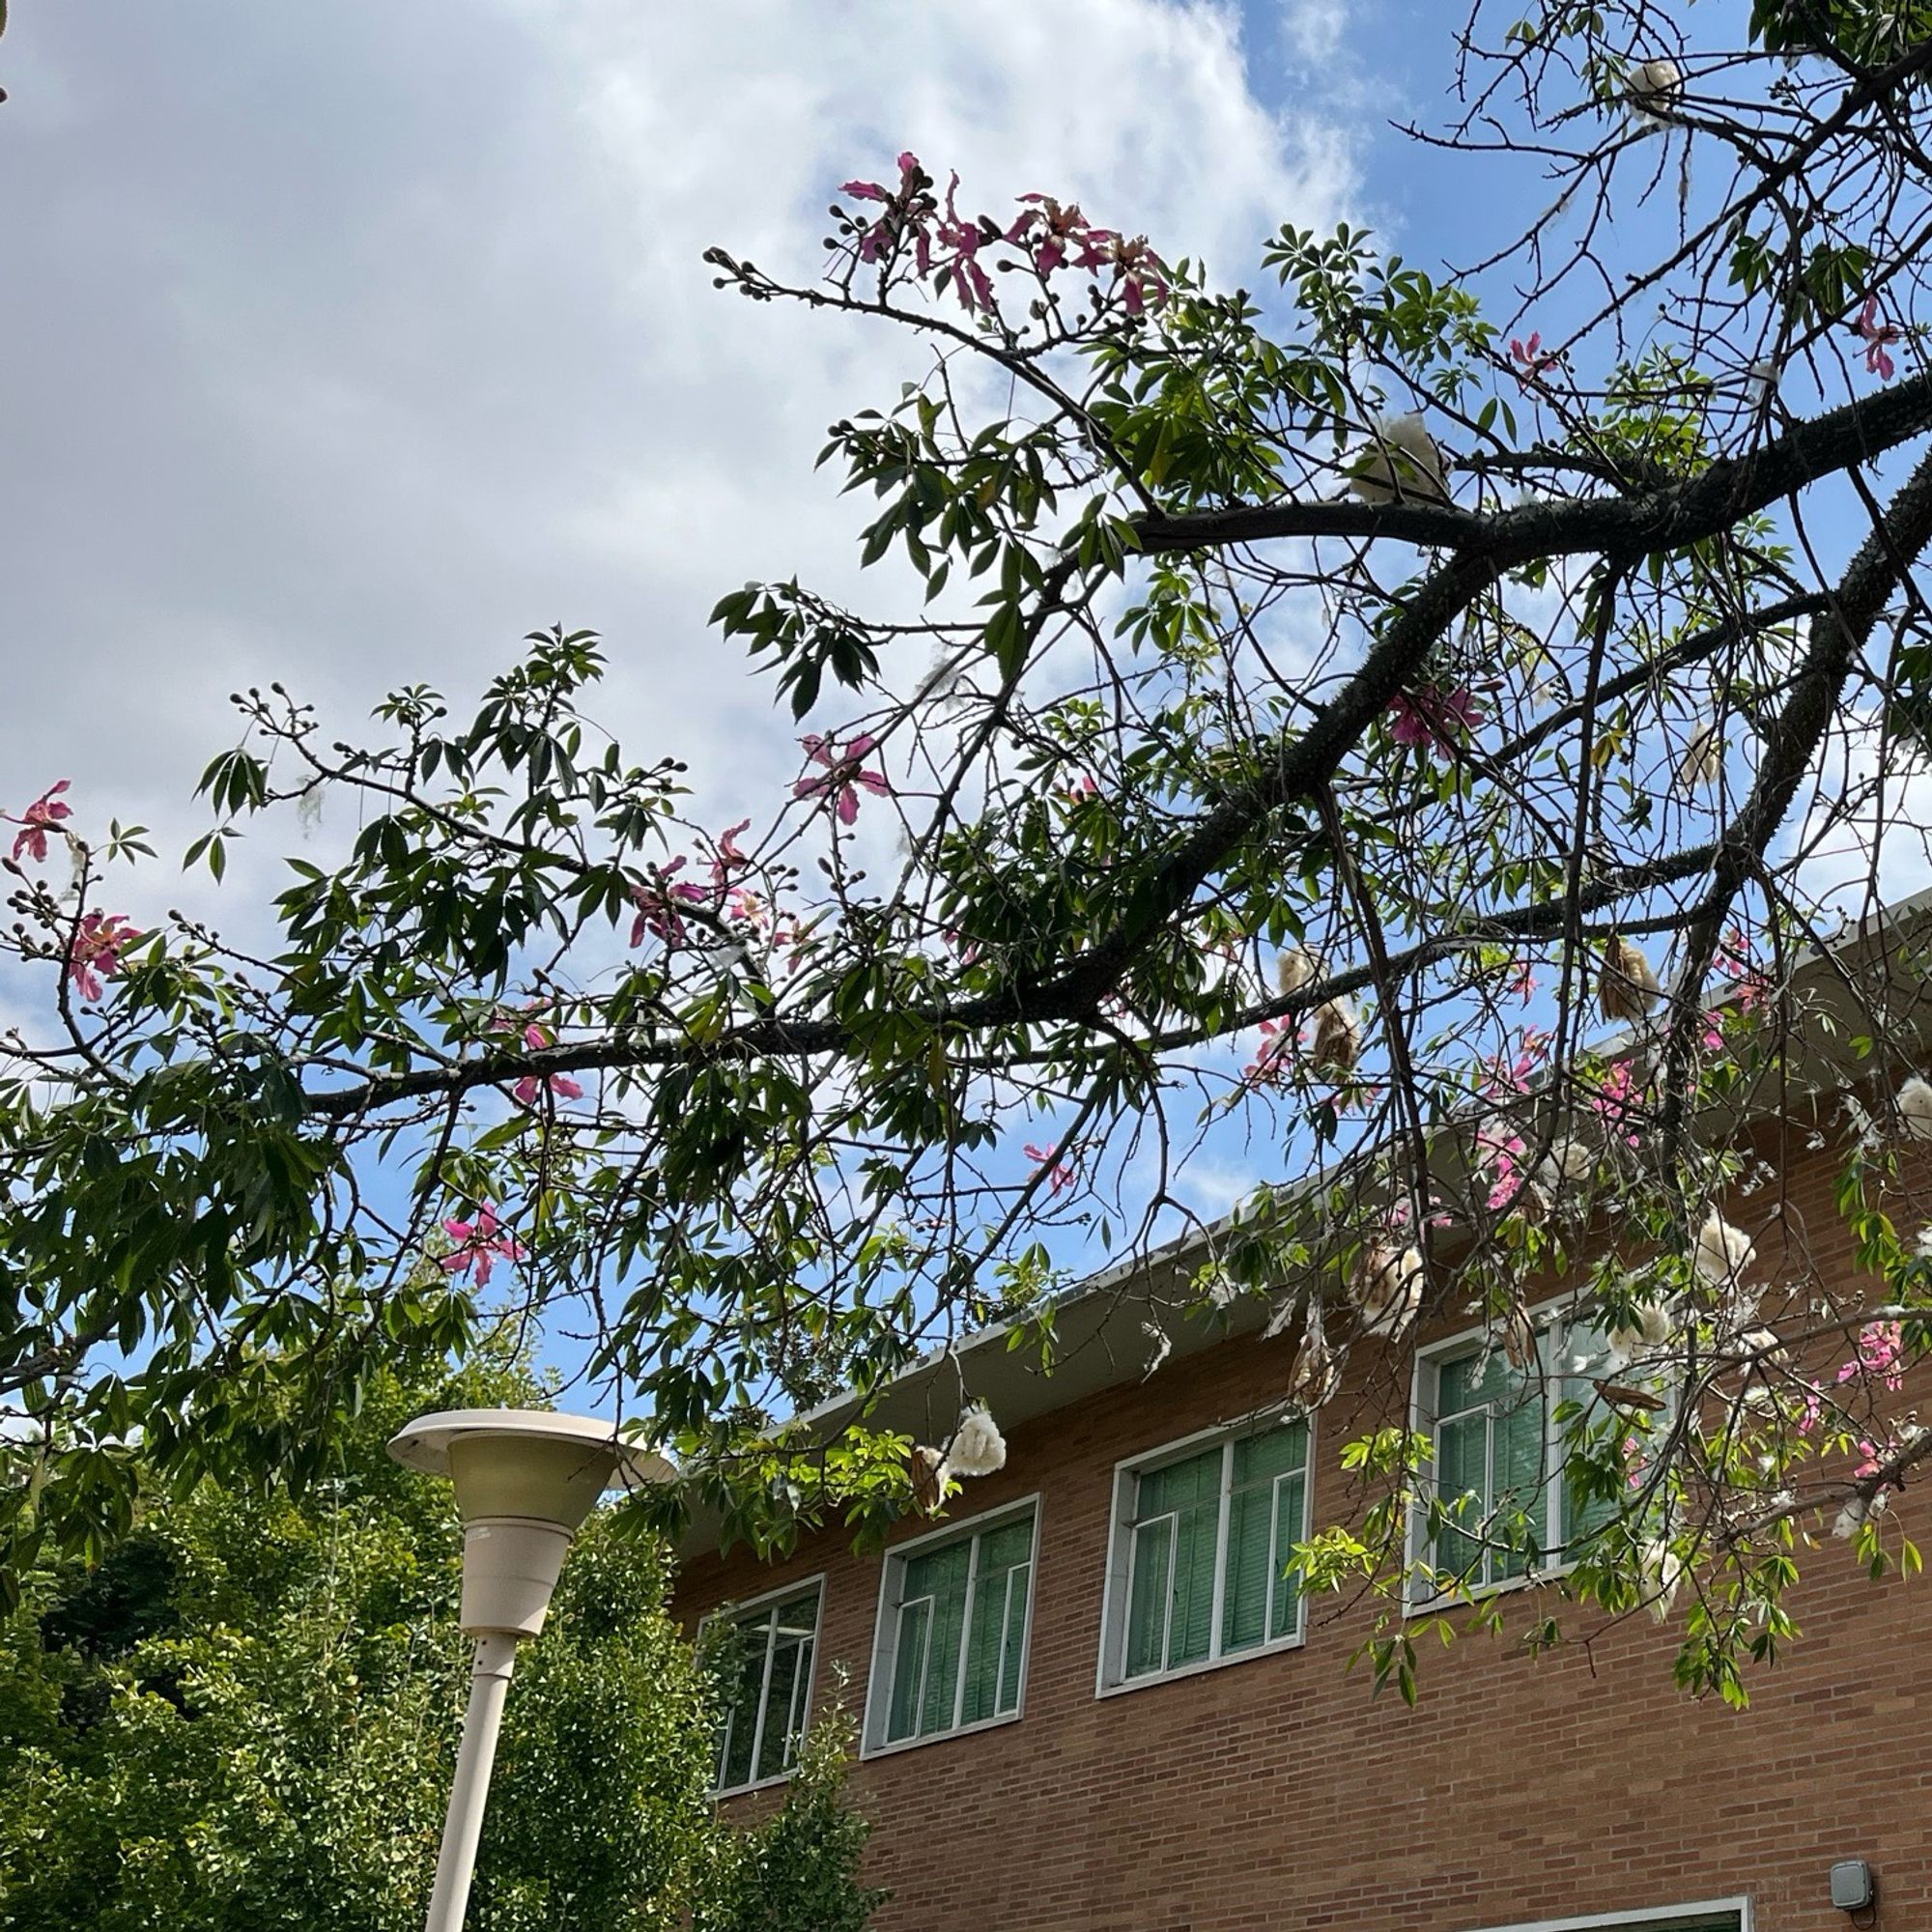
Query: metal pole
pixel 488 1685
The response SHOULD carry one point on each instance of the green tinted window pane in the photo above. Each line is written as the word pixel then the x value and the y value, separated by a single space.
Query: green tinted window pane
pixel 784 1684
pixel 1012 1650
pixel 908 1671
pixel 1191 1629
pixel 985 1635
pixel 997 1622
pixel 1290 1514
pixel 1260 1459
pixel 1462 1486
pixel 1244 1600
pixel 1147 1612
pixel 1003 1548
pixel 1520 1452
pixel 946 1575
pixel 1179 1486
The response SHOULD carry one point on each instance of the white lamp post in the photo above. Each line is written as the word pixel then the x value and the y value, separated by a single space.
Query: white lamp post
pixel 524 1481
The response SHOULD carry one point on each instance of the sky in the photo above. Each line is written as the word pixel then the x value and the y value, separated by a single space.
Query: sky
pixel 347 345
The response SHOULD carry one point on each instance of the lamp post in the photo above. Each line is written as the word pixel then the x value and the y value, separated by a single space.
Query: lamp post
pixel 524 1481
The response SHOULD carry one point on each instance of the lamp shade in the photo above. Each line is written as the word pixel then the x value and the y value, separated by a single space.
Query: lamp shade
pixel 525 1480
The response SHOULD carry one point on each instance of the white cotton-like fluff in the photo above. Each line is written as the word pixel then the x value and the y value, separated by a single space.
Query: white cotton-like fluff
pixel 1762 1346
pixel 1857 1511
pixel 1295 967
pixel 1628 988
pixel 1720 1252
pixel 1402 466
pixel 1915 1108
pixel 978 1449
pixel 1764 374
pixel 1338 1036
pixel 1663 1571
pixel 931 1474
pixel 1703 759
pixel 1387 1289
pixel 1569 1163
pixel 1654 86
pixel 1317 1372
pixel 1649 1328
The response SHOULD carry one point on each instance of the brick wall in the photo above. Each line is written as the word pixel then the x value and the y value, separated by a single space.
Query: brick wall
pixel 1273 1792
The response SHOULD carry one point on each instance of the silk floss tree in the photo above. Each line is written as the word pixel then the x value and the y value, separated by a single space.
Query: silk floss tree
pixel 1420 729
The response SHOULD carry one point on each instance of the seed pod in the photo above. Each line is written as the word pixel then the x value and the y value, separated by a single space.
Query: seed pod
pixel 978 1449
pixel 930 1476
pixel 1402 466
pixel 1317 1372
pixel 1915 1107
pixel 1654 86
pixel 1703 759
pixel 1720 1252
pixel 1295 967
pixel 1386 1287
pixel 1338 1036
pixel 1628 988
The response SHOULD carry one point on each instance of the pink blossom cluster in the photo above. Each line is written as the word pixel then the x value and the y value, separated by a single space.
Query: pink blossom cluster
pixel 1880 1351
pixel 947 246
pixel 844 773
pixel 94 950
pixel 1059 1174
pixel 479 1244
pixel 1616 1102
pixel 536 1037
pixel 1878 336
pixel 1504 1158
pixel 1434 715
pixel 1279 1039
pixel 1532 357
pixel 40 818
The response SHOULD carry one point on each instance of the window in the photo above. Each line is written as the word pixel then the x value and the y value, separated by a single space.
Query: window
pixel 951 1650
pixel 1498 1442
pixel 1198 1571
pixel 767 1666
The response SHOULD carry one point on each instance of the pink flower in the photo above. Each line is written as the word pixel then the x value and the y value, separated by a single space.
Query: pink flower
pixel 843 775
pixel 731 858
pixel 1530 355
pixel 1433 715
pixel 1869 1452
pixel 1877 334
pixel 1880 1346
pixel 1504 1158
pixel 1615 1103
pixel 1058 1173
pixel 1083 787
pixel 42 817
pixel 969 282
pixel 478 1243
pixel 1278 1038
pixel 1522 981
pixel 95 950
pixel 657 906
pixel 527 1089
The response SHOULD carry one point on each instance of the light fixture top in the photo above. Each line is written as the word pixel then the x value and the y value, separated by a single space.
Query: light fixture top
pixel 425 1444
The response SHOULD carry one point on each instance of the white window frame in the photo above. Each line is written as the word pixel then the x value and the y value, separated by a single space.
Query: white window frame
pixel 886 1629
pixel 1116 1597
pixel 731 1613
pixel 1418 1597
pixel 1645 1917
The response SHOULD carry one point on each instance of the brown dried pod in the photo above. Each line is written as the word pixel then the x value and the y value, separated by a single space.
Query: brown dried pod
pixel 1317 1372
pixel 1338 1036
pixel 1628 988
pixel 929 1475
pixel 1387 1285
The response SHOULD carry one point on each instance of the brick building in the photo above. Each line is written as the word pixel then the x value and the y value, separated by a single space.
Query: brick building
pixel 1089 1704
